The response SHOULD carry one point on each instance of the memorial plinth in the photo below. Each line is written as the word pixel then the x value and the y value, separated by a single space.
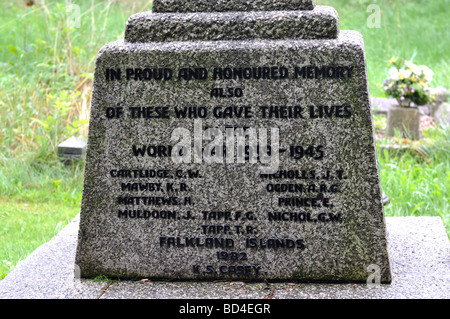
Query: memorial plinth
pixel 235 144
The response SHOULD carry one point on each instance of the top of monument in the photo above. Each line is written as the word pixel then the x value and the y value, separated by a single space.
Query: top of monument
pixel 320 23
pixel 231 5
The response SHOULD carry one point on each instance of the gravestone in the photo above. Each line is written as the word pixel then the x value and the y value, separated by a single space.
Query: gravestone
pixel 72 147
pixel 233 140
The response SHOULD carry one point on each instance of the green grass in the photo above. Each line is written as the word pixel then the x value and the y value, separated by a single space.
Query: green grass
pixel 418 180
pixel 46 68
pixel 25 225
pixel 36 201
pixel 412 29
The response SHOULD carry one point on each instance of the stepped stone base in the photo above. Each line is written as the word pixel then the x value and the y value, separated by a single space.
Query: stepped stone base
pixel 418 246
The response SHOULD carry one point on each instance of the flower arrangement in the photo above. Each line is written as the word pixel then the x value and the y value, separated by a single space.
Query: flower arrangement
pixel 408 83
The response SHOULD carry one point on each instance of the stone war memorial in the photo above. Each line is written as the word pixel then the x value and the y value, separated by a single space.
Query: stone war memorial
pixel 233 139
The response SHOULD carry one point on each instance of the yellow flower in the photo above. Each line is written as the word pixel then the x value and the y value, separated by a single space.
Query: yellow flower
pixel 414 79
pixel 393 60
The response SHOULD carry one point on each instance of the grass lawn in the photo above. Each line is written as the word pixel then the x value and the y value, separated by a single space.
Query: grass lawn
pixel 36 201
pixel 418 180
pixel 46 68
pixel 412 29
pixel 25 225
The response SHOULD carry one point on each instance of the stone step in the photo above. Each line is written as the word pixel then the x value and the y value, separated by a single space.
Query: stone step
pixel 230 5
pixel 418 246
pixel 320 23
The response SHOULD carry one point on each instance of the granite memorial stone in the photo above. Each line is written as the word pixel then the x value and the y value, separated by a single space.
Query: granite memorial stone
pixel 233 140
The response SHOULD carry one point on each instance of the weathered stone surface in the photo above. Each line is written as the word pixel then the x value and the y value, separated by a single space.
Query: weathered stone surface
pixel 442 114
pixel 320 23
pixel 202 80
pixel 441 94
pixel 72 147
pixel 419 251
pixel 404 120
pixel 336 239
pixel 230 5
pixel 381 105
